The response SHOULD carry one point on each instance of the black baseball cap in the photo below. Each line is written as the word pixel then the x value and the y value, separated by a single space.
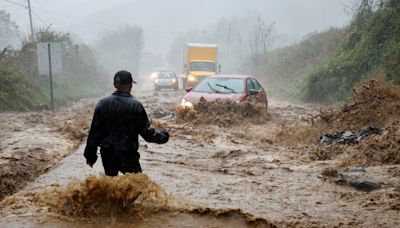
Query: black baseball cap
pixel 123 77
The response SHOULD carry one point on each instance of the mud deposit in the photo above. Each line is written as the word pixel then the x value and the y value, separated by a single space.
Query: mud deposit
pixel 373 104
pixel 227 167
pixel 30 143
pixel 223 113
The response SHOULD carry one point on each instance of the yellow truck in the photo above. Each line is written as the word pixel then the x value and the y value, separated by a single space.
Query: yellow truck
pixel 199 61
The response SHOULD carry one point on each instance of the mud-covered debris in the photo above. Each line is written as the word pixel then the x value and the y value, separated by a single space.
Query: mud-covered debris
pixel 330 172
pixel 341 180
pixel 167 117
pixel 158 113
pixel 358 170
pixel 347 137
pixel 372 102
pixel 366 184
pixel 333 174
pixel 397 189
pixel 354 179
pixel 224 113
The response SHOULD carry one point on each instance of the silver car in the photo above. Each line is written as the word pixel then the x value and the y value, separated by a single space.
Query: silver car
pixel 166 80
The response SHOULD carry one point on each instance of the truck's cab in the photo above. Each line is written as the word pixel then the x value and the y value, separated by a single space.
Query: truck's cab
pixel 200 62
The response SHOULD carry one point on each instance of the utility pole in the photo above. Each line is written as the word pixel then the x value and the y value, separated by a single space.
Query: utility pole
pixel 30 17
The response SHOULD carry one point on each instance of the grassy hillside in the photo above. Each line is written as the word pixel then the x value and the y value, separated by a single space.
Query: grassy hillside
pixel 16 93
pixel 286 69
pixel 372 43
pixel 325 66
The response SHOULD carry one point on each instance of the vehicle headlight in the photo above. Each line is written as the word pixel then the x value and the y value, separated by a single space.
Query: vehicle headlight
pixel 153 76
pixel 185 103
pixel 173 80
pixel 156 80
pixel 191 78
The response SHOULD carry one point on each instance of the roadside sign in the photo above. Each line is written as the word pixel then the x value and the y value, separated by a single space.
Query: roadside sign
pixel 49 63
pixel 43 58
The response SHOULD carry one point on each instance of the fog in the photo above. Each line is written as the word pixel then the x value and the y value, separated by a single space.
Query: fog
pixel 164 20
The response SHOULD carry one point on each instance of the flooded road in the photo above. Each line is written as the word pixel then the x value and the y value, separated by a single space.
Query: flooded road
pixel 217 176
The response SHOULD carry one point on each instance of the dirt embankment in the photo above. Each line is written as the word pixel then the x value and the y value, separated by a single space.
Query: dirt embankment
pixel 31 143
pixel 374 104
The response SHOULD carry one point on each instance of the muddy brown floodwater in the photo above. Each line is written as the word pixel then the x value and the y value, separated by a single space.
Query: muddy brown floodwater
pixel 207 175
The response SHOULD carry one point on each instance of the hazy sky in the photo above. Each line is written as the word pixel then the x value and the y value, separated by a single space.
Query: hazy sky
pixel 162 20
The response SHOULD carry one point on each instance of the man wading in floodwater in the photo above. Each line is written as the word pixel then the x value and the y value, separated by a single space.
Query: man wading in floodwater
pixel 117 122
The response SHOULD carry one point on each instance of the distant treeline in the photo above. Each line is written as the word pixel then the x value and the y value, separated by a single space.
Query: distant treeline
pixel 325 66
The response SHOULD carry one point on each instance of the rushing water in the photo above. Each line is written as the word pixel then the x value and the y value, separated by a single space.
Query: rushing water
pixel 205 176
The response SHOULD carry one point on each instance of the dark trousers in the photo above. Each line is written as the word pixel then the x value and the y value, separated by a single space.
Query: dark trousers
pixel 124 162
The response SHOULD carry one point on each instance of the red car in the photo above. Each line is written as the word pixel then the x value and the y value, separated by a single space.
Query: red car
pixel 232 87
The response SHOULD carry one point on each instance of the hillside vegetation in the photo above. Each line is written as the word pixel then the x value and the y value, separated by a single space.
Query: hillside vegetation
pixel 21 88
pixel 325 66
pixel 286 70
pixel 372 43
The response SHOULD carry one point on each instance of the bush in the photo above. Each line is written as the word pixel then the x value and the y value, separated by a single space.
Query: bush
pixel 22 89
pixel 372 43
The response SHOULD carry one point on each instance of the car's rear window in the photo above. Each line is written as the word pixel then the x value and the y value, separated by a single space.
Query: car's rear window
pixel 221 85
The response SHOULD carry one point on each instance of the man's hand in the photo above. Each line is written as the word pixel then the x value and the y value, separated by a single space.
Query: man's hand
pixel 164 136
pixel 90 161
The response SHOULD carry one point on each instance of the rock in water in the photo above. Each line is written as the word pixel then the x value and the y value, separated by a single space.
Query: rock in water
pixel 358 170
pixel 366 184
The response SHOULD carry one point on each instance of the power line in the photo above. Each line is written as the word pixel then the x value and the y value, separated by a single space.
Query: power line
pixel 53 18
pixel 68 16
pixel 16 3
pixel 17 14
pixel 6 6
pixel 36 15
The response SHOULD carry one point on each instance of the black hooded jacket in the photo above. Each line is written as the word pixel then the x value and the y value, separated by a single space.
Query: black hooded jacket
pixel 117 122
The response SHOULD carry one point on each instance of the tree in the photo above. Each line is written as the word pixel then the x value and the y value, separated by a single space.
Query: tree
pixel 242 42
pixel 122 49
pixel 260 40
pixel 8 30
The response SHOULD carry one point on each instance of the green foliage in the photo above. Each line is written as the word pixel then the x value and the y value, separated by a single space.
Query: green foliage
pixel 372 43
pixel 21 88
pixel 286 69
pixel 16 93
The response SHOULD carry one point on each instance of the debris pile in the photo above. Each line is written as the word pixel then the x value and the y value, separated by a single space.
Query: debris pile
pixel 224 113
pixel 373 104
pixel 355 177
pixel 347 137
